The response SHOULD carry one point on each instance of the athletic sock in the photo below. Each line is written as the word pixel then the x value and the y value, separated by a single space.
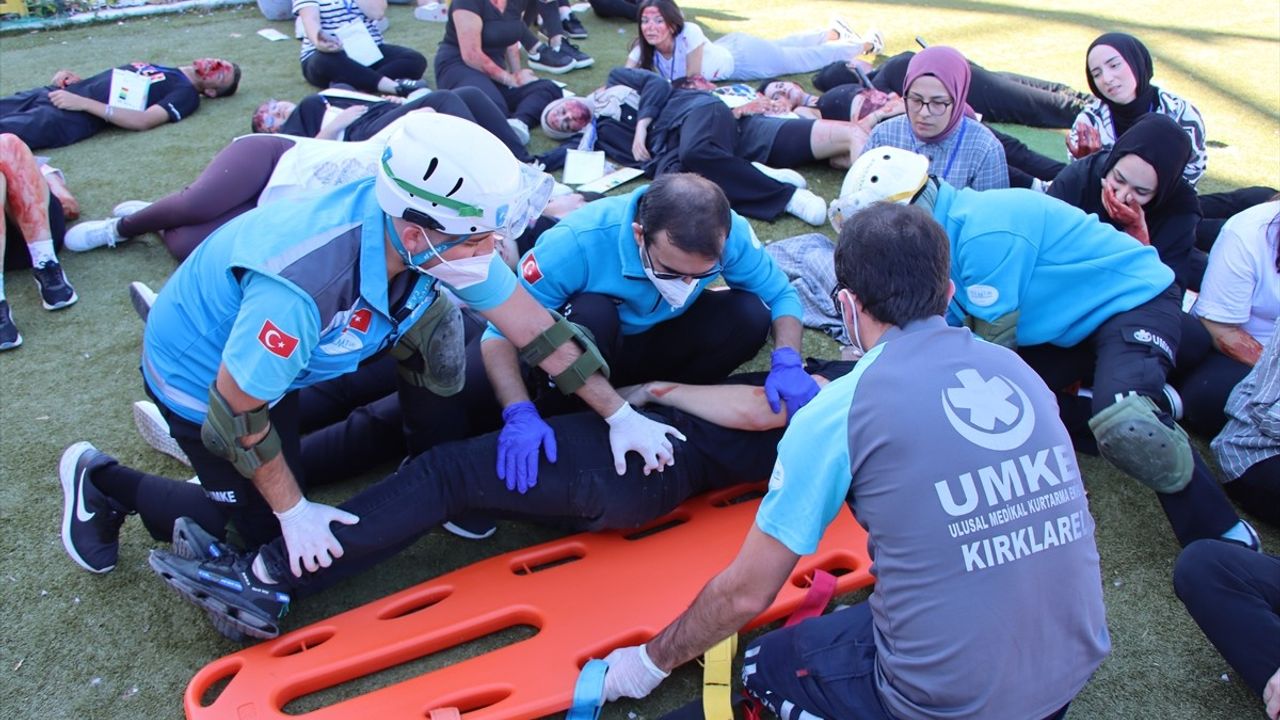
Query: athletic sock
pixel 41 252
pixel 119 483
pixel 261 572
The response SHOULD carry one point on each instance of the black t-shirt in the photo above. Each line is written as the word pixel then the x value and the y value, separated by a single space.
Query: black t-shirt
pixel 499 30
pixel 834 104
pixel 307 119
pixel 170 89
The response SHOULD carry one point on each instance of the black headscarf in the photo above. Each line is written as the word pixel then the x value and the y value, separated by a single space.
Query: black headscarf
pixel 1139 61
pixel 1163 143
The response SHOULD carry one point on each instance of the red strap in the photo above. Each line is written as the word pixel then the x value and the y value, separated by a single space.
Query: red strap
pixel 448 713
pixel 821 589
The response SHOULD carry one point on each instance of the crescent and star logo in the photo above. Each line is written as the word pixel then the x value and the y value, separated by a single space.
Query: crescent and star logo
pixel 988 405
pixel 277 341
pixel 529 269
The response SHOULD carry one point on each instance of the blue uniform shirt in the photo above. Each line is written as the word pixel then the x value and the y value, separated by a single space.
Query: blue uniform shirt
pixel 287 296
pixel 593 250
pixel 1065 271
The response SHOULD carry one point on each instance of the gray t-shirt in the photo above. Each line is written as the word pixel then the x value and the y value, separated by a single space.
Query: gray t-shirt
pixel 988 597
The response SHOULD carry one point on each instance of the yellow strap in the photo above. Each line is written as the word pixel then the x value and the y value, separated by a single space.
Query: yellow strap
pixel 717 680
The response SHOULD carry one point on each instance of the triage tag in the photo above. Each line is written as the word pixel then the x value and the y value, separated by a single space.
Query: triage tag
pixel 129 90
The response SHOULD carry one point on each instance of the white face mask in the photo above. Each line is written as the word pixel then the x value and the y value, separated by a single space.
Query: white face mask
pixel 463 273
pixel 852 330
pixel 675 292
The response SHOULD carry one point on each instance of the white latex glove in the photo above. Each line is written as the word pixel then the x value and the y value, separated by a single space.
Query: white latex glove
pixel 307 536
pixel 631 431
pixel 631 674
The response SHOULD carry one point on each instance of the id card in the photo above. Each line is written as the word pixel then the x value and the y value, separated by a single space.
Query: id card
pixel 129 90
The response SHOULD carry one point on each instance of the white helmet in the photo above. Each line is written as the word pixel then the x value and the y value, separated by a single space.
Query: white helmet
pixel 451 175
pixel 882 174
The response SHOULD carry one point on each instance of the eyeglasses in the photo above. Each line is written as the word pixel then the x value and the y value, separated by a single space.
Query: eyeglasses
pixel 715 269
pixel 936 107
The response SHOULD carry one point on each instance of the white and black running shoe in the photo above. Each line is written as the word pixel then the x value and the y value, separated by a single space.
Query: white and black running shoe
pixel 90 521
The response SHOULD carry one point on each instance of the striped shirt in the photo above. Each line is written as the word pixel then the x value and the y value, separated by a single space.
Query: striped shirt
pixel 1252 433
pixel 1098 114
pixel 333 15
pixel 970 157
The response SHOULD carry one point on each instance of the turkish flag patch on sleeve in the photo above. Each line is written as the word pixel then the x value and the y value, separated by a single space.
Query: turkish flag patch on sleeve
pixel 529 269
pixel 277 341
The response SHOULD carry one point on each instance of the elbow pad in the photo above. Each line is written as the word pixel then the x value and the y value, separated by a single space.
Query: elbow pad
pixel 1001 331
pixel 223 428
pixel 562 331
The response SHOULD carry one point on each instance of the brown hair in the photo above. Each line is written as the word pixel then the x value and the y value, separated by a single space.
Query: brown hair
pixel 670 13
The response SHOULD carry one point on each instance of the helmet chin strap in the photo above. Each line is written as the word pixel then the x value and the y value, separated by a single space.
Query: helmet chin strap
pixel 410 261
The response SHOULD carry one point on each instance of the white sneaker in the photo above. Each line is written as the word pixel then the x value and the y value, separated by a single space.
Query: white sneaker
pixel 521 130
pixel 155 431
pixel 1175 401
pixel 129 207
pixel 808 207
pixel 844 32
pixel 93 234
pixel 432 12
pixel 786 176
pixel 142 297
pixel 873 39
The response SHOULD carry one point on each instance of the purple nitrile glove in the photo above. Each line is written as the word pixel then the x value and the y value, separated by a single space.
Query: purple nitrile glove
pixel 788 382
pixel 524 432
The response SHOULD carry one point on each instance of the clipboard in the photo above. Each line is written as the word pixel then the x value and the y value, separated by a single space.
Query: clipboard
pixel 358 44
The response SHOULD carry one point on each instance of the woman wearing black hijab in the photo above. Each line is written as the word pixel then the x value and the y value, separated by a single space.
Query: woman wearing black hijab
pixel 1138 187
pixel 1119 70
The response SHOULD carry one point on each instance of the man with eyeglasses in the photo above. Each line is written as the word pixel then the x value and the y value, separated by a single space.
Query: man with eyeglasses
pixel 634 272
pixel 287 297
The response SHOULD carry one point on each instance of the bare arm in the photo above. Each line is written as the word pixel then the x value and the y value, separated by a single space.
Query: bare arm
pixel 274 480
pixel 693 61
pixel 521 319
pixel 468 26
pixel 333 129
pixel 153 116
pixel 324 42
pixel 735 596
pixel 373 9
pixel 1234 342
pixel 740 407
pixel 787 332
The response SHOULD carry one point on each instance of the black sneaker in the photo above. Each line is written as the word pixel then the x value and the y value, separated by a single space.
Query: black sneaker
pixel 580 59
pixel 55 291
pixel 573 27
pixel 405 88
pixel 225 588
pixel 90 520
pixel 9 336
pixel 547 59
pixel 192 542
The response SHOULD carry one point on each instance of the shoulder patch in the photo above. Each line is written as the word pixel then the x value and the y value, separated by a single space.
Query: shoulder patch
pixel 982 295
pixel 529 269
pixel 277 341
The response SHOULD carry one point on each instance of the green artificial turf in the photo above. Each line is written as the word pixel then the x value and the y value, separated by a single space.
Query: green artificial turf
pixel 123 646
